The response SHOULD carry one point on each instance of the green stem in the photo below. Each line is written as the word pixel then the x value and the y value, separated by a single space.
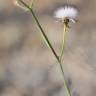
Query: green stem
pixel 48 43
pixel 61 56
pixel 41 30
pixel 32 2
pixel 63 42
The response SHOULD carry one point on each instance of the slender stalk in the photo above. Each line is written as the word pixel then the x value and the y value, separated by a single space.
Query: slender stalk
pixel 41 30
pixel 61 56
pixel 32 2
pixel 63 41
pixel 48 43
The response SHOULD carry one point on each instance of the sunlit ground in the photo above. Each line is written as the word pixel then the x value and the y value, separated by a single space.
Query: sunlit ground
pixel 27 66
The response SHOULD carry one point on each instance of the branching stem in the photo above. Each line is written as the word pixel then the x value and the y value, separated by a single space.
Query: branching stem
pixel 48 43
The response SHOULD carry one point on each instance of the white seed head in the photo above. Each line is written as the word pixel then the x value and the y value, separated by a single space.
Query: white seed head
pixel 67 11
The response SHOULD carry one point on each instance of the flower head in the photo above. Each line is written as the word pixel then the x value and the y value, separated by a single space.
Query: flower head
pixel 68 12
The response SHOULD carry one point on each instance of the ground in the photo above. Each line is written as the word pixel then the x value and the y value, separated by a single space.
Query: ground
pixel 27 66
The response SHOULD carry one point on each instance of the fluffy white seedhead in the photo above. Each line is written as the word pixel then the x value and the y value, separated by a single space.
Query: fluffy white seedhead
pixel 67 11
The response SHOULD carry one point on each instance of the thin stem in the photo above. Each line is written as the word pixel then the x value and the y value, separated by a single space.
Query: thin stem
pixel 63 42
pixel 41 30
pixel 48 43
pixel 32 2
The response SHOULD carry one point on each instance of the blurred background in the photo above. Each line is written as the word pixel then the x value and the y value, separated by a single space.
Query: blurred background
pixel 27 66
